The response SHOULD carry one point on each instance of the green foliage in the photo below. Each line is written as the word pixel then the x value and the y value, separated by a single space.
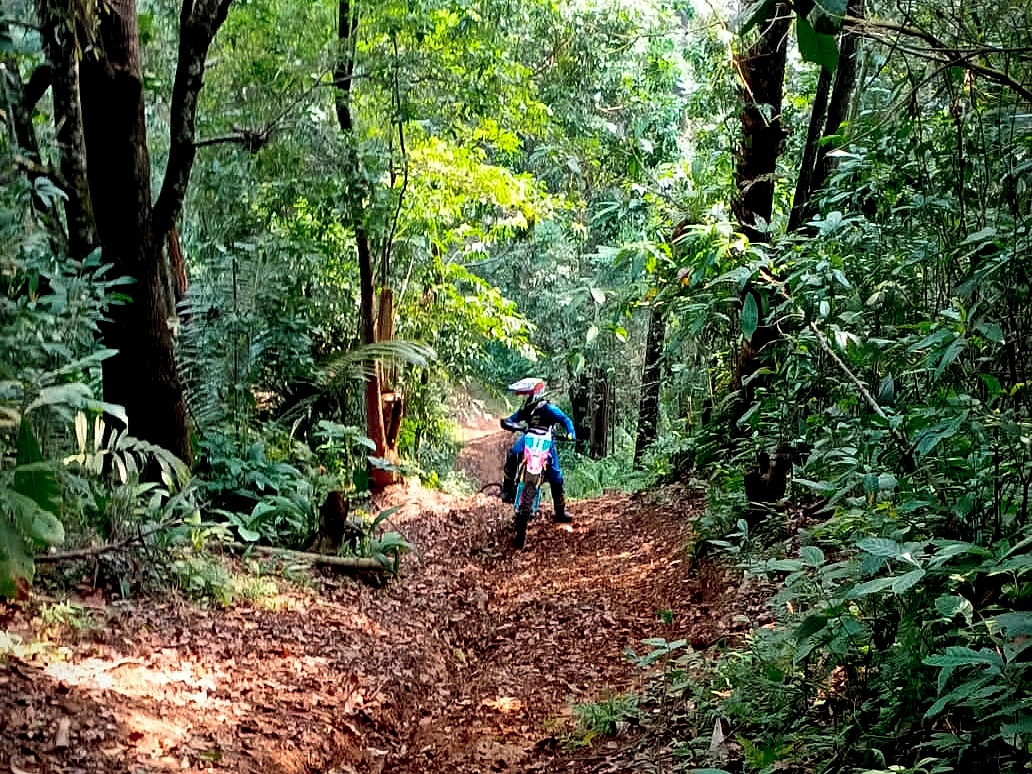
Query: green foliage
pixel 50 312
pixel 69 616
pixel 387 546
pixel 606 717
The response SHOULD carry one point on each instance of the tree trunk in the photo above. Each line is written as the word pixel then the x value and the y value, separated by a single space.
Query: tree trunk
pixel 599 421
pixel 841 97
pixel 762 69
pixel 105 163
pixel 818 113
pixel 60 42
pixel 651 377
pixel 142 376
pixel 376 424
pixel 580 405
pixel 19 99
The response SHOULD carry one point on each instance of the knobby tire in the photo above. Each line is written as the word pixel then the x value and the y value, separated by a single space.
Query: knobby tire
pixel 525 510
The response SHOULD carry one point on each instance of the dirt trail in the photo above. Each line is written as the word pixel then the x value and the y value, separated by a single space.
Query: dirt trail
pixel 469 663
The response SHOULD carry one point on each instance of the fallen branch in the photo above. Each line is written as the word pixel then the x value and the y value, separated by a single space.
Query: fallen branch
pixel 358 563
pixel 107 548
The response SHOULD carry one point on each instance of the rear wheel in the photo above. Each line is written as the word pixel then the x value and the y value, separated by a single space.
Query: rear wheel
pixel 525 509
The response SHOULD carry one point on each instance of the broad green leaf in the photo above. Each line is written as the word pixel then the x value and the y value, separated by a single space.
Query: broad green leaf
pixel 952 605
pixel 931 437
pixel 810 626
pixel 782 565
pixel 592 334
pixel 1017 624
pixel 818 47
pixel 987 234
pixel 598 295
pixel 74 394
pixel 577 363
pixel 907 581
pixel 248 535
pixel 870 587
pixel 956 656
pixel 750 316
pixel 16 562
pixel 880 547
pixel 992 384
pixel 812 556
pixel 952 352
pixel 39 484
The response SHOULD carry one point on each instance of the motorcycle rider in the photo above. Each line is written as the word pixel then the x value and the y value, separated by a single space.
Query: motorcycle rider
pixel 535 412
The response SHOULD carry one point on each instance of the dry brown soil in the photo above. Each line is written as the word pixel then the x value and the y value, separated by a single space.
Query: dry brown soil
pixel 468 663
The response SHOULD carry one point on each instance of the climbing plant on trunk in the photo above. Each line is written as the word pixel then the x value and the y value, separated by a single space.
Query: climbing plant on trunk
pixel 383 406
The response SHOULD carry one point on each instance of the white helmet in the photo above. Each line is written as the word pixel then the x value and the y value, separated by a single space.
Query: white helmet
pixel 530 386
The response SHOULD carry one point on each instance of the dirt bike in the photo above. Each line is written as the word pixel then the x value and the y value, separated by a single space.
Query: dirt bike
pixel 530 475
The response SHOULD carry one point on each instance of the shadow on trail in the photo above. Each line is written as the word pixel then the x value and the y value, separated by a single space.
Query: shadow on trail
pixel 468 663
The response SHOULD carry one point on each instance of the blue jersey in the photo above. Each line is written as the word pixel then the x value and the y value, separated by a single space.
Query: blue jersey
pixel 541 413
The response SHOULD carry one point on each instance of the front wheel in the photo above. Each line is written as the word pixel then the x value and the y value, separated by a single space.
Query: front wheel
pixel 525 509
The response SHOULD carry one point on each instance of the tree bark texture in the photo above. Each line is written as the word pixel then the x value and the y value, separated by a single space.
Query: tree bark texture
pixel 105 165
pixel 600 408
pixel 762 70
pixel 142 376
pixel 651 378
pixel 60 33
pixel 199 20
pixel 580 405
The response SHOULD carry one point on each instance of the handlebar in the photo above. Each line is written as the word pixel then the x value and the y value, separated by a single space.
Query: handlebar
pixel 519 427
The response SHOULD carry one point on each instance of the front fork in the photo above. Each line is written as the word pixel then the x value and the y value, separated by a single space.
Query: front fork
pixel 519 492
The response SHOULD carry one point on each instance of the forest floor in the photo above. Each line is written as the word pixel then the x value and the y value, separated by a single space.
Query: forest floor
pixel 470 662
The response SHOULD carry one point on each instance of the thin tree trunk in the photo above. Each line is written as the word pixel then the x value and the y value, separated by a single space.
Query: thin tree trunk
pixel 60 42
pixel 580 405
pixel 841 97
pixel 376 427
pixel 599 414
pixel 648 409
pixel 19 100
pixel 762 69
pixel 818 113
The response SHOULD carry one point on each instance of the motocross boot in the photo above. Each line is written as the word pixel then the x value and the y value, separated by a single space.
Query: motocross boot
pixel 509 478
pixel 559 514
